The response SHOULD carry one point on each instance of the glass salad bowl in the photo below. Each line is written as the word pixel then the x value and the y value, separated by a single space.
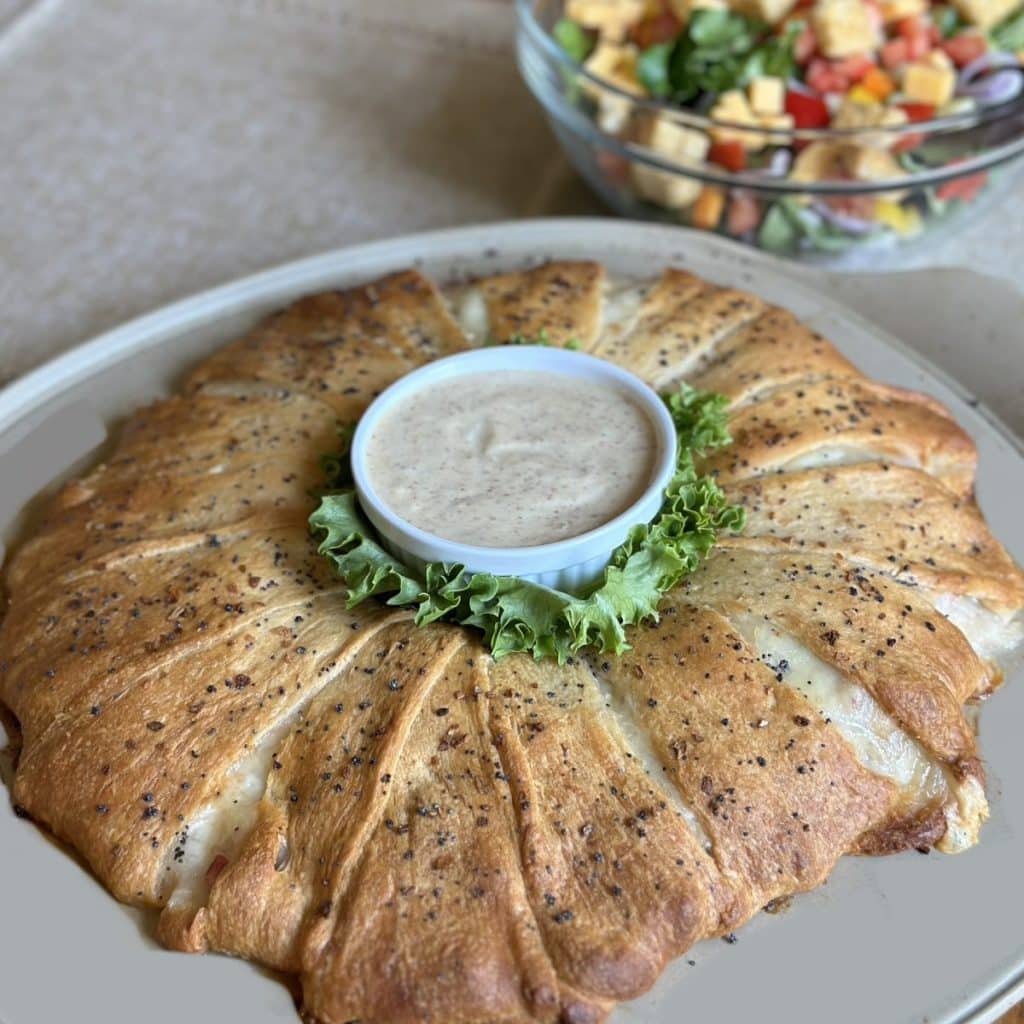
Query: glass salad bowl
pixel 828 188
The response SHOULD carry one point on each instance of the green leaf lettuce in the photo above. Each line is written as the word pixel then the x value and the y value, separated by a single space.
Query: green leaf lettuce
pixel 519 615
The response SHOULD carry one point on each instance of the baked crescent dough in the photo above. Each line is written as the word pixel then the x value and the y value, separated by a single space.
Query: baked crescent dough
pixel 419 833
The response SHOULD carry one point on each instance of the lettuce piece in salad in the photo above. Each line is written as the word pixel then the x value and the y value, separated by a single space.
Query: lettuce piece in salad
pixel 778 232
pixel 574 39
pixel 517 615
pixel 789 225
pixel 1009 34
pixel 652 69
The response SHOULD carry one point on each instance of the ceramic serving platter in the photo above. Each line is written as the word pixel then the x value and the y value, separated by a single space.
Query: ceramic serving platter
pixel 901 939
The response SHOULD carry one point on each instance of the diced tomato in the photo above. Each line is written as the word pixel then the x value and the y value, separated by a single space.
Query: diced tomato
pixel 919 47
pixel 965 188
pixel 910 27
pixel 854 67
pixel 905 143
pixel 934 34
pixel 744 214
pixel 823 77
pixel 658 28
pixel 917 111
pixel 961 50
pixel 917 34
pixel 807 111
pixel 805 45
pixel 730 155
pixel 894 53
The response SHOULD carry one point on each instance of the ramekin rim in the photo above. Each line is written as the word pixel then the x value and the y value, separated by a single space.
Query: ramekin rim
pixel 524 560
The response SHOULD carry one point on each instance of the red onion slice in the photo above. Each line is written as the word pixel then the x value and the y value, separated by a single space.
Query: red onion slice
pixel 998 87
pixel 843 221
pixel 991 61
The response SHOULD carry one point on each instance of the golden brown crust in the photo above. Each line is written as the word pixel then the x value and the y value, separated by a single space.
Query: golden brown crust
pixel 895 520
pixel 147 746
pixel 737 744
pixel 680 320
pixel 188 466
pixel 774 350
pixel 918 830
pixel 618 882
pixel 559 301
pixel 915 663
pixel 330 779
pixel 413 831
pixel 342 347
pixel 855 419
pixel 437 891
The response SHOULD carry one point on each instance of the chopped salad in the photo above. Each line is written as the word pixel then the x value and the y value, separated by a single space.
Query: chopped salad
pixel 866 69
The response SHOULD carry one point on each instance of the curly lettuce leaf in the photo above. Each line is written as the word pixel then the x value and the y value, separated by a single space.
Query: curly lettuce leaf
pixel 517 615
pixel 367 569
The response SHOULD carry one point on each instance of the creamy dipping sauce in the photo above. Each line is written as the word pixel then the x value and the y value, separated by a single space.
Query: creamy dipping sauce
pixel 512 459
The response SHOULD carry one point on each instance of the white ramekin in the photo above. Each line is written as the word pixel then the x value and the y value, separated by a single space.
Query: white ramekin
pixel 567 565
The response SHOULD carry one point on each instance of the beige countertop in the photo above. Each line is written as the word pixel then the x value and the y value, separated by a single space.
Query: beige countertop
pixel 182 144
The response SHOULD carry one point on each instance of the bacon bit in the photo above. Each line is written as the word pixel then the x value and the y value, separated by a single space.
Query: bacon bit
pixel 217 865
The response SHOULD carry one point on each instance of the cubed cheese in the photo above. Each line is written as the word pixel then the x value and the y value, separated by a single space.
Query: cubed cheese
pixel 612 18
pixel 925 83
pixel 767 95
pixel 825 161
pixel 675 142
pixel 894 10
pixel 616 65
pixel 986 13
pixel 672 140
pixel 732 106
pixel 844 27
pixel 673 191
pixel 938 59
pixel 771 11
pixel 732 103
pixel 777 123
